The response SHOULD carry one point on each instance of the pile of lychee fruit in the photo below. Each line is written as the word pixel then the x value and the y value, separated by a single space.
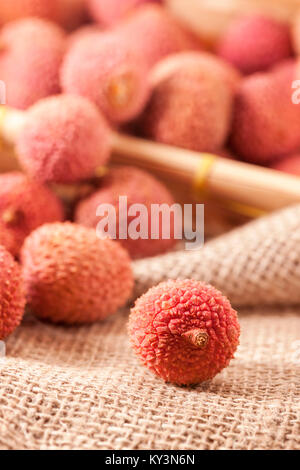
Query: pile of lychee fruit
pixel 80 69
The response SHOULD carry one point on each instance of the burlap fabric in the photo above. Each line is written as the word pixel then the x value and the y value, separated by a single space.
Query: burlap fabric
pixel 83 388
pixel 258 264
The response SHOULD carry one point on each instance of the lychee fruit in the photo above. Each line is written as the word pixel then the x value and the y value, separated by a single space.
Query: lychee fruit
pixel 265 120
pixel 24 206
pixel 289 164
pixel 255 43
pixel 30 59
pixel 12 294
pixel 104 70
pixel 190 105
pixel 71 276
pixel 152 33
pixel 140 188
pixel 184 331
pixel 63 140
pixel 110 12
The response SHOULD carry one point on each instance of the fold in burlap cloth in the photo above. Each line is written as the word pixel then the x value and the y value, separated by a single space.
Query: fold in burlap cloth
pixel 83 388
pixel 258 264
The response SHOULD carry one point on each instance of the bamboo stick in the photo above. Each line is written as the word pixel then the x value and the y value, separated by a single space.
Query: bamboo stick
pixel 248 184
pixel 244 183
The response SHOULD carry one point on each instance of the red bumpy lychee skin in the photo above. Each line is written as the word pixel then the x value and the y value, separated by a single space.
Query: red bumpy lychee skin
pixel 290 164
pixel 110 12
pixel 255 43
pixel 71 276
pixel 24 206
pixel 266 121
pixel 153 34
pixel 190 105
pixel 106 71
pixel 64 140
pixel 140 188
pixel 184 331
pixel 12 294
pixel 30 59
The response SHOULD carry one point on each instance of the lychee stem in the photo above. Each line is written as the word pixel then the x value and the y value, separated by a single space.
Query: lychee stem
pixel 120 90
pixel 11 216
pixel 196 337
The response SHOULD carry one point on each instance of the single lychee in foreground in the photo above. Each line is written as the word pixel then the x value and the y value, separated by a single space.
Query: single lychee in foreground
pixel 184 331
pixel 73 277
pixel 12 297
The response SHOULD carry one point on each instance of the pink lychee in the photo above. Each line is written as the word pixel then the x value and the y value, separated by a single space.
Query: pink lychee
pixel 140 188
pixel 255 43
pixel 24 206
pixel 31 55
pixel 64 140
pixel 104 70
pixel 191 102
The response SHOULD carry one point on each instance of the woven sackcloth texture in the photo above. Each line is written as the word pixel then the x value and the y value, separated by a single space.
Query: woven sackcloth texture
pixel 83 387
pixel 258 264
